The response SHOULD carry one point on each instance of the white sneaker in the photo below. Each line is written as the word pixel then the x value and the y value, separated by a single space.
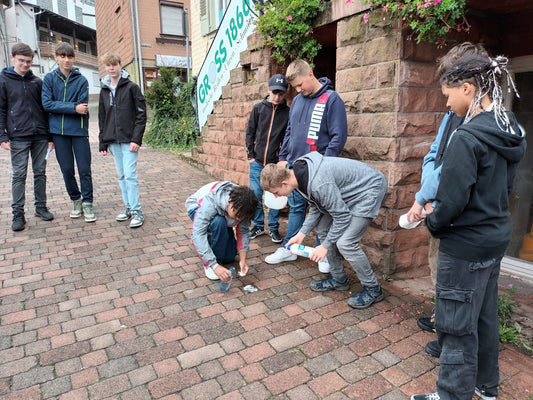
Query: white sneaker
pixel 210 274
pixel 323 266
pixel 281 254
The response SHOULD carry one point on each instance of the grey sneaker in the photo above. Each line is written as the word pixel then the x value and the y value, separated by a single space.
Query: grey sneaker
pixel 88 212
pixel 76 209
pixel 124 215
pixel 19 222
pixel 137 219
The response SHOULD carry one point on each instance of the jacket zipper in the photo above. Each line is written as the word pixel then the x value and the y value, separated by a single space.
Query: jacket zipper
pixel 269 132
pixel 64 98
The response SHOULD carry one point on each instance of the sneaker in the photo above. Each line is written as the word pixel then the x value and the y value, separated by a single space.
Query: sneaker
pixel 210 274
pixel 18 222
pixel 431 396
pixel 44 214
pixel 137 219
pixel 427 323
pixel 323 266
pixel 482 393
pixel 124 215
pixel 255 232
pixel 329 284
pixel 366 297
pixel 76 209
pixel 88 211
pixel 281 255
pixel 275 236
pixel 433 348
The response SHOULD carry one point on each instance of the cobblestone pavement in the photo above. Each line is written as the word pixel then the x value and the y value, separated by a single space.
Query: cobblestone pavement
pixel 102 311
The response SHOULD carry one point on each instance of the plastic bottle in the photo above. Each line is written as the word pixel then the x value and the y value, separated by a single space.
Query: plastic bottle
pixel 224 286
pixel 301 250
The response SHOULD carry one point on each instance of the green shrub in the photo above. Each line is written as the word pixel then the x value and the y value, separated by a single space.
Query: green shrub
pixel 286 26
pixel 172 134
pixel 507 305
pixel 173 125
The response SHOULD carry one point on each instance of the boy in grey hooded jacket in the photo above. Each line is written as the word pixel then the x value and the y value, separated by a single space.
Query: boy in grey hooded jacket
pixel 344 196
pixel 221 213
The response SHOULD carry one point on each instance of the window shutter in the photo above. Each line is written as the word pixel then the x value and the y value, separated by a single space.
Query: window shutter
pixel 204 17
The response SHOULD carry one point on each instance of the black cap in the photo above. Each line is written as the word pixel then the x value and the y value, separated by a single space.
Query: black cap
pixel 278 82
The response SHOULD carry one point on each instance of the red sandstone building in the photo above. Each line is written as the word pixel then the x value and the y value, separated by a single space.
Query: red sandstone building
pixel 148 34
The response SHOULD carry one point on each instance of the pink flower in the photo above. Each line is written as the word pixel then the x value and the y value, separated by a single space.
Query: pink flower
pixel 269 37
pixel 289 18
pixel 427 3
pixel 436 2
pixel 365 18
pixel 348 2
pixel 386 8
pixel 418 6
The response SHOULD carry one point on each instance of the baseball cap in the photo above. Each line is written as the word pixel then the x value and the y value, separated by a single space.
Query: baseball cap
pixel 278 82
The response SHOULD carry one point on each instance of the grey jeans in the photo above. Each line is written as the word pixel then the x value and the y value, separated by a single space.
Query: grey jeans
pixel 466 319
pixel 20 152
pixel 348 247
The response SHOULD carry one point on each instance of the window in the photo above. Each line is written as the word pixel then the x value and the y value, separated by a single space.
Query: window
pixel 211 13
pixel 171 18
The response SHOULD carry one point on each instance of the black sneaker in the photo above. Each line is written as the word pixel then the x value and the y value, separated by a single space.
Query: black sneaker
pixel 366 297
pixel 427 323
pixel 433 348
pixel 276 237
pixel 18 222
pixel 255 232
pixel 44 214
pixel 485 394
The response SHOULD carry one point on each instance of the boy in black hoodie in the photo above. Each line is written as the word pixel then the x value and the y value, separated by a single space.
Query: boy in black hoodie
pixel 264 135
pixel 122 120
pixel 24 131
pixel 473 223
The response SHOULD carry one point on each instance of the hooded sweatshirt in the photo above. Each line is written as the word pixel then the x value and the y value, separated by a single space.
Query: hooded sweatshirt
pixel 331 126
pixel 22 116
pixel 212 200
pixel 265 131
pixel 121 112
pixel 471 217
pixel 61 94
pixel 342 188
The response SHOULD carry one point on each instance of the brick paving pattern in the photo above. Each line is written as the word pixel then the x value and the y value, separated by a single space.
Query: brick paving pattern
pixel 102 311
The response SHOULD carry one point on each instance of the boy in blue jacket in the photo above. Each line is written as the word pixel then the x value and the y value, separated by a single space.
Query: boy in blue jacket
pixel 65 96
pixel 317 122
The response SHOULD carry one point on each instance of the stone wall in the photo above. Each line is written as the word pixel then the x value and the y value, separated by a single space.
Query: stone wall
pixel 393 105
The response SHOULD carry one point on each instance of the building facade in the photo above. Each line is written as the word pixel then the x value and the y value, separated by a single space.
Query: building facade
pixel 148 34
pixel 43 23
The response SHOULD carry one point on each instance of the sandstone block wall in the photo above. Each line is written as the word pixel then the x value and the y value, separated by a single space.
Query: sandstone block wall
pixel 394 107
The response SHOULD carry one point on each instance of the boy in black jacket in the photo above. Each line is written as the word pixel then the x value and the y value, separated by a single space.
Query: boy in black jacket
pixel 264 135
pixel 24 131
pixel 472 220
pixel 122 119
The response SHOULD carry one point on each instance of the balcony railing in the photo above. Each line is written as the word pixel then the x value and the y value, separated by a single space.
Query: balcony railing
pixel 88 60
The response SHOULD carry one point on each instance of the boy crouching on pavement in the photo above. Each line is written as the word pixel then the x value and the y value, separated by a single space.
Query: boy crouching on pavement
pixel 217 209
pixel 344 196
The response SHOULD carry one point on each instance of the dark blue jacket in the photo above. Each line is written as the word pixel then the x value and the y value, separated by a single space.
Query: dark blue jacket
pixel 61 95
pixel 332 132
pixel 21 112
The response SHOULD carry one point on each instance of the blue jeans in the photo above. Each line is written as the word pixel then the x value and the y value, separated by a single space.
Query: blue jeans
pixel 221 238
pixel 466 319
pixel 259 218
pixel 126 163
pixel 68 147
pixel 298 206
pixel 20 151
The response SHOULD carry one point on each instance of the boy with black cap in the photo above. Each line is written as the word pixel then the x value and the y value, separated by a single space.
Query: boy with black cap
pixel 264 135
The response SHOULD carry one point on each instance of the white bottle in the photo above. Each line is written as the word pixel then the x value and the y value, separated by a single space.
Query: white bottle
pixel 301 250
